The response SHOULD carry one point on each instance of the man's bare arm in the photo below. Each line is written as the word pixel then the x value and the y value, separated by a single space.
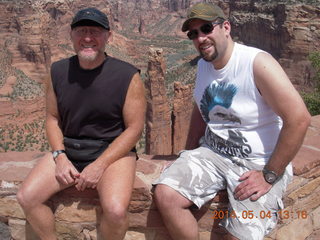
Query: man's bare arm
pixel 65 171
pixel 279 93
pixel 196 130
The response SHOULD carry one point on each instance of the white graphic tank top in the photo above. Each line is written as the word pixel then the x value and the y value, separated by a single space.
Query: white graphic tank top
pixel 239 122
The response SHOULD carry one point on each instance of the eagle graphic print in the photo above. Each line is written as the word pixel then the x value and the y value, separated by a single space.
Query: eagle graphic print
pixel 222 94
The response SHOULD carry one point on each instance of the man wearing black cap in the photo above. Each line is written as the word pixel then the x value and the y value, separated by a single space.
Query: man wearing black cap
pixel 246 127
pixel 95 116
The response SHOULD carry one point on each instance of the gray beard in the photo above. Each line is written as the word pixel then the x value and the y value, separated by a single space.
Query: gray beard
pixel 88 58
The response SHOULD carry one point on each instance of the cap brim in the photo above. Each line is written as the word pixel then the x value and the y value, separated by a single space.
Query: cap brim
pixel 185 25
pixel 86 20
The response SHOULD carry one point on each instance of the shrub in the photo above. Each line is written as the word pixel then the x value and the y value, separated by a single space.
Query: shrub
pixel 314 58
pixel 312 101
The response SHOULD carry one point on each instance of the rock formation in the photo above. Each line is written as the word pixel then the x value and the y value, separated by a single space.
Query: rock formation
pixel 166 129
pixel 158 127
pixel 182 109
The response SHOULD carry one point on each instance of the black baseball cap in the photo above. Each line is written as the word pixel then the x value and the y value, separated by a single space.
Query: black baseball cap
pixel 90 17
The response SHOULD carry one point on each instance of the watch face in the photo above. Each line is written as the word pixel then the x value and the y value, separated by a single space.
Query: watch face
pixel 55 154
pixel 270 177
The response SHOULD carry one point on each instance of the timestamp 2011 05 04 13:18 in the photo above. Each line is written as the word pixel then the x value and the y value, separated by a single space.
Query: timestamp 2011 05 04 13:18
pixel 250 214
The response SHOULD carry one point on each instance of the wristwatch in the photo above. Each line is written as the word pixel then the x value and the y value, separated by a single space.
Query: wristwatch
pixel 270 176
pixel 56 153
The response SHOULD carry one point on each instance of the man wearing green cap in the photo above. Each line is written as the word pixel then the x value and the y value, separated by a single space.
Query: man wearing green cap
pixel 246 127
pixel 95 116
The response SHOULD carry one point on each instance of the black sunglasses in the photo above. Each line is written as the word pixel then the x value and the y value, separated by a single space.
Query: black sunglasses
pixel 205 28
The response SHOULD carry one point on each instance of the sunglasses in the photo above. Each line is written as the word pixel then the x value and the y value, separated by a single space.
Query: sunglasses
pixel 205 28
pixel 83 31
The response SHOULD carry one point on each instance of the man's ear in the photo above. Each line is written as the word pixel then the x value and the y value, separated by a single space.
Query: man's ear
pixel 227 26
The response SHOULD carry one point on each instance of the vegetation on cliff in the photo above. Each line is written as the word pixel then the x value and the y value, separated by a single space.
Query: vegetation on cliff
pixel 312 99
pixel 28 137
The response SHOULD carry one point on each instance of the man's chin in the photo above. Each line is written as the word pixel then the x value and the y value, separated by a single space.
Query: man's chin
pixel 209 58
pixel 87 57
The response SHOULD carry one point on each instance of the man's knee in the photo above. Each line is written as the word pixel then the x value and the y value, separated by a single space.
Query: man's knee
pixel 114 211
pixel 25 198
pixel 165 196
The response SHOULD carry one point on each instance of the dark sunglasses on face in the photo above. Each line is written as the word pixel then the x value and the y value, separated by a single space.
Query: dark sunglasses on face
pixel 205 28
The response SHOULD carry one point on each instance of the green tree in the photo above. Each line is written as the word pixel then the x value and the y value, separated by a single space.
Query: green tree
pixel 312 100
pixel 314 58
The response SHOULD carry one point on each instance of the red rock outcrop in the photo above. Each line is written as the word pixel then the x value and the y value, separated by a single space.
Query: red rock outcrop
pixel 182 109
pixel 158 126
pixel 166 135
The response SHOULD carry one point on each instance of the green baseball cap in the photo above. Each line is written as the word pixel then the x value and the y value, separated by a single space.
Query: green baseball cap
pixel 204 11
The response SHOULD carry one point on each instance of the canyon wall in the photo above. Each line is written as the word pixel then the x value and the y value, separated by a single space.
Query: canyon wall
pixel 35 33
pixel 290 32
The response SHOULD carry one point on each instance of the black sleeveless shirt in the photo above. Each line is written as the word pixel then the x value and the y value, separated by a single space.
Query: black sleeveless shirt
pixel 90 102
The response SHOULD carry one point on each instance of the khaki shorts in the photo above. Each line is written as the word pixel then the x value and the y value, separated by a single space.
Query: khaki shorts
pixel 200 173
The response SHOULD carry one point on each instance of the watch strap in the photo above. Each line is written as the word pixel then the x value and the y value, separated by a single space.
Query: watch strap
pixel 56 153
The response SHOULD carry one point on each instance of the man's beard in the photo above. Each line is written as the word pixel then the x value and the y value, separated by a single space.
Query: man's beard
pixel 211 57
pixel 88 57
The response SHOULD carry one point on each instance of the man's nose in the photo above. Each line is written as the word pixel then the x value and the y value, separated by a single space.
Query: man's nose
pixel 201 37
pixel 88 36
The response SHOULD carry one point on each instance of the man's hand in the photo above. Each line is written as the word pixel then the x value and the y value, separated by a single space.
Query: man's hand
pixel 89 177
pixel 253 186
pixel 66 173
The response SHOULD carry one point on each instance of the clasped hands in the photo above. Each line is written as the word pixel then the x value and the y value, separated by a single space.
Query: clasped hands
pixel 67 174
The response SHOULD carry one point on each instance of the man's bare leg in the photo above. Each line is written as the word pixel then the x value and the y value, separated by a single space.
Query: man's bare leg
pixel 178 219
pixel 37 188
pixel 115 188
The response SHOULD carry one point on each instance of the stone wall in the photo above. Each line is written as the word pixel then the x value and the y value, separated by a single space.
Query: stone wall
pixel 76 212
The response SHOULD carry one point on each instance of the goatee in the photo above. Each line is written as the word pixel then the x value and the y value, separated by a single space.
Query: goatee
pixel 209 58
pixel 88 57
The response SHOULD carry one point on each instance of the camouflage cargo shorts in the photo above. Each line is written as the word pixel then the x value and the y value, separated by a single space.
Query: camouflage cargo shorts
pixel 200 173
